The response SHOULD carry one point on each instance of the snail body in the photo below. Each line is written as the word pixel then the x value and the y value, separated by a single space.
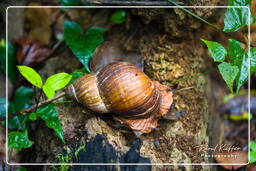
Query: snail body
pixel 123 89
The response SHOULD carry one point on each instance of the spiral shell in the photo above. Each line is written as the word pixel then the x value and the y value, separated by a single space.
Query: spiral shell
pixel 123 89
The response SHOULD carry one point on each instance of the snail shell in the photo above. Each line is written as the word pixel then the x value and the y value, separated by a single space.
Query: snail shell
pixel 123 89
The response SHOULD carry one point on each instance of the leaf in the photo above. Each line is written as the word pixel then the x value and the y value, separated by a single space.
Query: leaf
pixel 22 100
pixel 228 73
pixel 235 51
pixel 252 156
pixel 31 53
pixel 12 70
pixel 19 140
pixel 253 60
pixel 82 44
pixel 56 82
pixel 237 17
pixel 217 51
pixel 243 72
pixel 2 107
pixel 31 75
pixel 118 17
pixel 69 2
pixel 253 146
pixel 78 73
pixel 50 115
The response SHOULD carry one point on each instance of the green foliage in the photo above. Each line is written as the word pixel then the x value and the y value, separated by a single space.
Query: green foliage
pixel 31 75
pixel 19 140
pixel 69 2
pixel 217 51
pixel 228 73
pixel 78 73
pixel 21 169
pixel 12 70
pixel 253 60
pixel 50 115
pixel 82 44
pixel 52 84
pixel 3 107
pixel 22 100
pixel 252 152
pixel 118 17
pixel 237 17
pixel 56 82
pixel 236 67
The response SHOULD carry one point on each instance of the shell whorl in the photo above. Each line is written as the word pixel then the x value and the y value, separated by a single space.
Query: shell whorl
pixel 120 88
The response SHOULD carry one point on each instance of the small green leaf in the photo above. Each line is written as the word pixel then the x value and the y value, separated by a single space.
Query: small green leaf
pixel 19 140
pixel 82 44
pixel 243 72
pixel 31 75
pixel 78 73
pixel 235 51
pixel 32 116
pixel 69 2
pixel 56 82
pixel 118 17
pixel 21 169
pixel 217 51
pixel 50 115
pixel 252 156
pixel 253 60
pixel 237 17
pixel 12 70
pixel 228 73
pixel 253 146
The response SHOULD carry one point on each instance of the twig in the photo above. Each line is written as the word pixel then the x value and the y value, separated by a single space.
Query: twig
pixel 127 3
pixel 33 107
pixel 187 88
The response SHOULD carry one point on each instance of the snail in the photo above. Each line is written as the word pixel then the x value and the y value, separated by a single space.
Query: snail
pixel 124 90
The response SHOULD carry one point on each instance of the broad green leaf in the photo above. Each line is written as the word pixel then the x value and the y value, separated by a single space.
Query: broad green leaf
pixel 22 100
pixel 82 44
pixel 243 72
pixel 228 73
pixel 118 17
pixel 217 51
pixel 237 17
pixel 235 51
pixel 253 146
pixel 253 60
pixel 32 116
pixel 19 140
pixel 252 156
pixel 78 73
pixel 69 2
pixel 12 70
pixel 50 115
pixel 31 75
pixel 56 82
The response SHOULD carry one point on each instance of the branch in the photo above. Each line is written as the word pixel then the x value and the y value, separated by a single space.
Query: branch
pixel 35 106
pixel 127 3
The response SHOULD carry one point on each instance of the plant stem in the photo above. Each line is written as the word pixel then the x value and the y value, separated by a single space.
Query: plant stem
pixel 206 22
pixel 196 16
pixel 35 106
